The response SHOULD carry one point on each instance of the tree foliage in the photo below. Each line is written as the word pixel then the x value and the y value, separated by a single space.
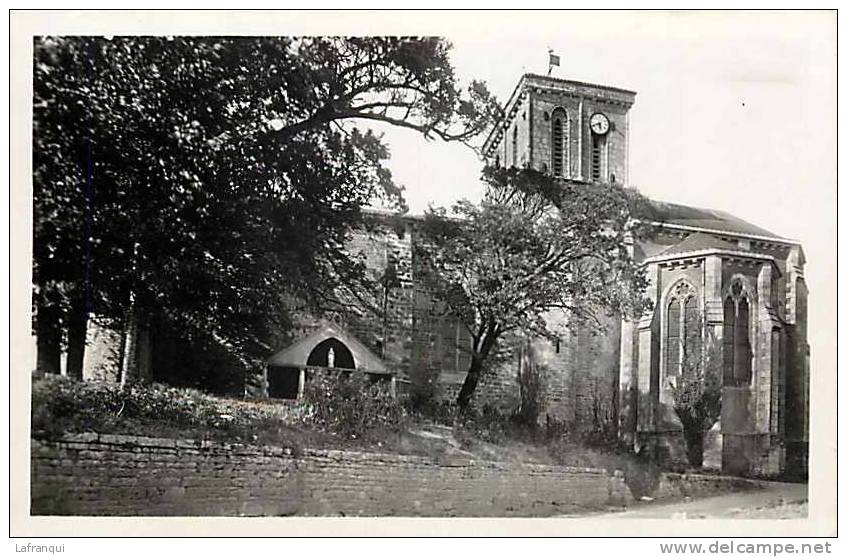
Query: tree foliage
pixel 697 395
pixel 535 245
pixel 209 182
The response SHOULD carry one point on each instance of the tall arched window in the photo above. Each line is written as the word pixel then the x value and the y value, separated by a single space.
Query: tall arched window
pixel 742 343
pixel 737 352
pixel 515 145
pixel 560 132
pixel 728 340
pixel 691 346
pixel 672 367
pixel 598 158
pixel 682 332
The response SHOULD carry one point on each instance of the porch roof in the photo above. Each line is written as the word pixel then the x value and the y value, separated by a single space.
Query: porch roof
pixel 297 354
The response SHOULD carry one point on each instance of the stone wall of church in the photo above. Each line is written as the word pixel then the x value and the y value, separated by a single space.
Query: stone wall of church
pixel 385 247
pixel 579 144
pixel 594 382
pixel 797 384
pixel 543 105
pixel 414 337
pixel 616 138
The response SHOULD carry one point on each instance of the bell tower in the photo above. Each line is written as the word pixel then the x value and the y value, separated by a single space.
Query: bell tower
pixel 572 130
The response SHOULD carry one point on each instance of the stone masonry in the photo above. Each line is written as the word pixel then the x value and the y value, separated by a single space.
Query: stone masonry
pixel 118 475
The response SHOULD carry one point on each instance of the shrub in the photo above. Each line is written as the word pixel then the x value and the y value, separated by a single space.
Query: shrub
pixel 493 426
pixel 61 405
pixel 431 409
pixel 489 425
pixel 352 405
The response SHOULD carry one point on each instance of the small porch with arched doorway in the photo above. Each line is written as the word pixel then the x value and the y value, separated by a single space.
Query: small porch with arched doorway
pixel 327 349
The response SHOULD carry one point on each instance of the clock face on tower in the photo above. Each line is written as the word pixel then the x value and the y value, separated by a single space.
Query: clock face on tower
pixel 599 123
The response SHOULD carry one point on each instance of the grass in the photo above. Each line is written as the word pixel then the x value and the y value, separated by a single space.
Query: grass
pixel 61 405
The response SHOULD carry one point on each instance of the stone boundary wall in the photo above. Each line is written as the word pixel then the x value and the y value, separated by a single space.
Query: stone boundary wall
pixel 118 475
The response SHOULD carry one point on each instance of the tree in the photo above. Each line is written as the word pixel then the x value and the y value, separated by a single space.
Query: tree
pixel 697 394
pixel 202 185
pixel 535 245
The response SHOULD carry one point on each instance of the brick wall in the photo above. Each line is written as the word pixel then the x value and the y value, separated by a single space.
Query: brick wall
pixel 90 474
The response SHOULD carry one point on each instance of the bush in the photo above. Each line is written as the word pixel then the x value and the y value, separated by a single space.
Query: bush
pixel 493 426
pixel 352 405
pixel 61 405
pixel 431 409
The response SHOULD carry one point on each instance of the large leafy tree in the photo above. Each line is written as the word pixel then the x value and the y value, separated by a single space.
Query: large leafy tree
pixel 535 245
pixel 200 185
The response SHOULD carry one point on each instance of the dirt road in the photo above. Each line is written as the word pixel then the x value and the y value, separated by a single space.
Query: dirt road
pixel 775 500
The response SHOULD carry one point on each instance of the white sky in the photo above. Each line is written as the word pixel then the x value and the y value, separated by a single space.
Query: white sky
pixel 734 111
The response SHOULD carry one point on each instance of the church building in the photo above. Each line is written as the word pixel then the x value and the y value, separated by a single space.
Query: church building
pixel 713 277
pixel 714 280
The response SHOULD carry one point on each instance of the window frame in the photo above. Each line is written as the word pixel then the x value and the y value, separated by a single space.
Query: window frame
pixel 562 150
pixel 681 294
pixel 599 168
pixel 738 363
pixel 515 145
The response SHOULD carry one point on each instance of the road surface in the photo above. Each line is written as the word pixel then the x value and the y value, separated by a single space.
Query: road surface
pixel 775 500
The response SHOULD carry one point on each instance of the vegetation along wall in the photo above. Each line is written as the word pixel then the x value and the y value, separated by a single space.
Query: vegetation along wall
pixel 91 474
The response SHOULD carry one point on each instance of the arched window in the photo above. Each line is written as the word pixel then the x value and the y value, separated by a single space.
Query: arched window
pixel 672 367
pixel 515 145
pixel 743 358
pixel 598 157
pixel 682 332
pixel 737 352
pixel 691 347
pixel 559 135
pixel 728 340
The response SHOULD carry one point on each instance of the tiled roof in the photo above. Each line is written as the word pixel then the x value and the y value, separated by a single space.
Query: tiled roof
pixel 711 219
pixel 699 242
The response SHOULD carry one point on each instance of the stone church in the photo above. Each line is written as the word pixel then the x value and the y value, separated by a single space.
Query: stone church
pixel 711 276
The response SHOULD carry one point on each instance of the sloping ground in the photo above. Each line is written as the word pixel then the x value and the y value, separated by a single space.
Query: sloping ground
pixel 60 406
pixel 458 442
pixel 118 432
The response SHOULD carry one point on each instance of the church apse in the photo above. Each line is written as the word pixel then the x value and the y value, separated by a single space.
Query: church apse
pixel 736 291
